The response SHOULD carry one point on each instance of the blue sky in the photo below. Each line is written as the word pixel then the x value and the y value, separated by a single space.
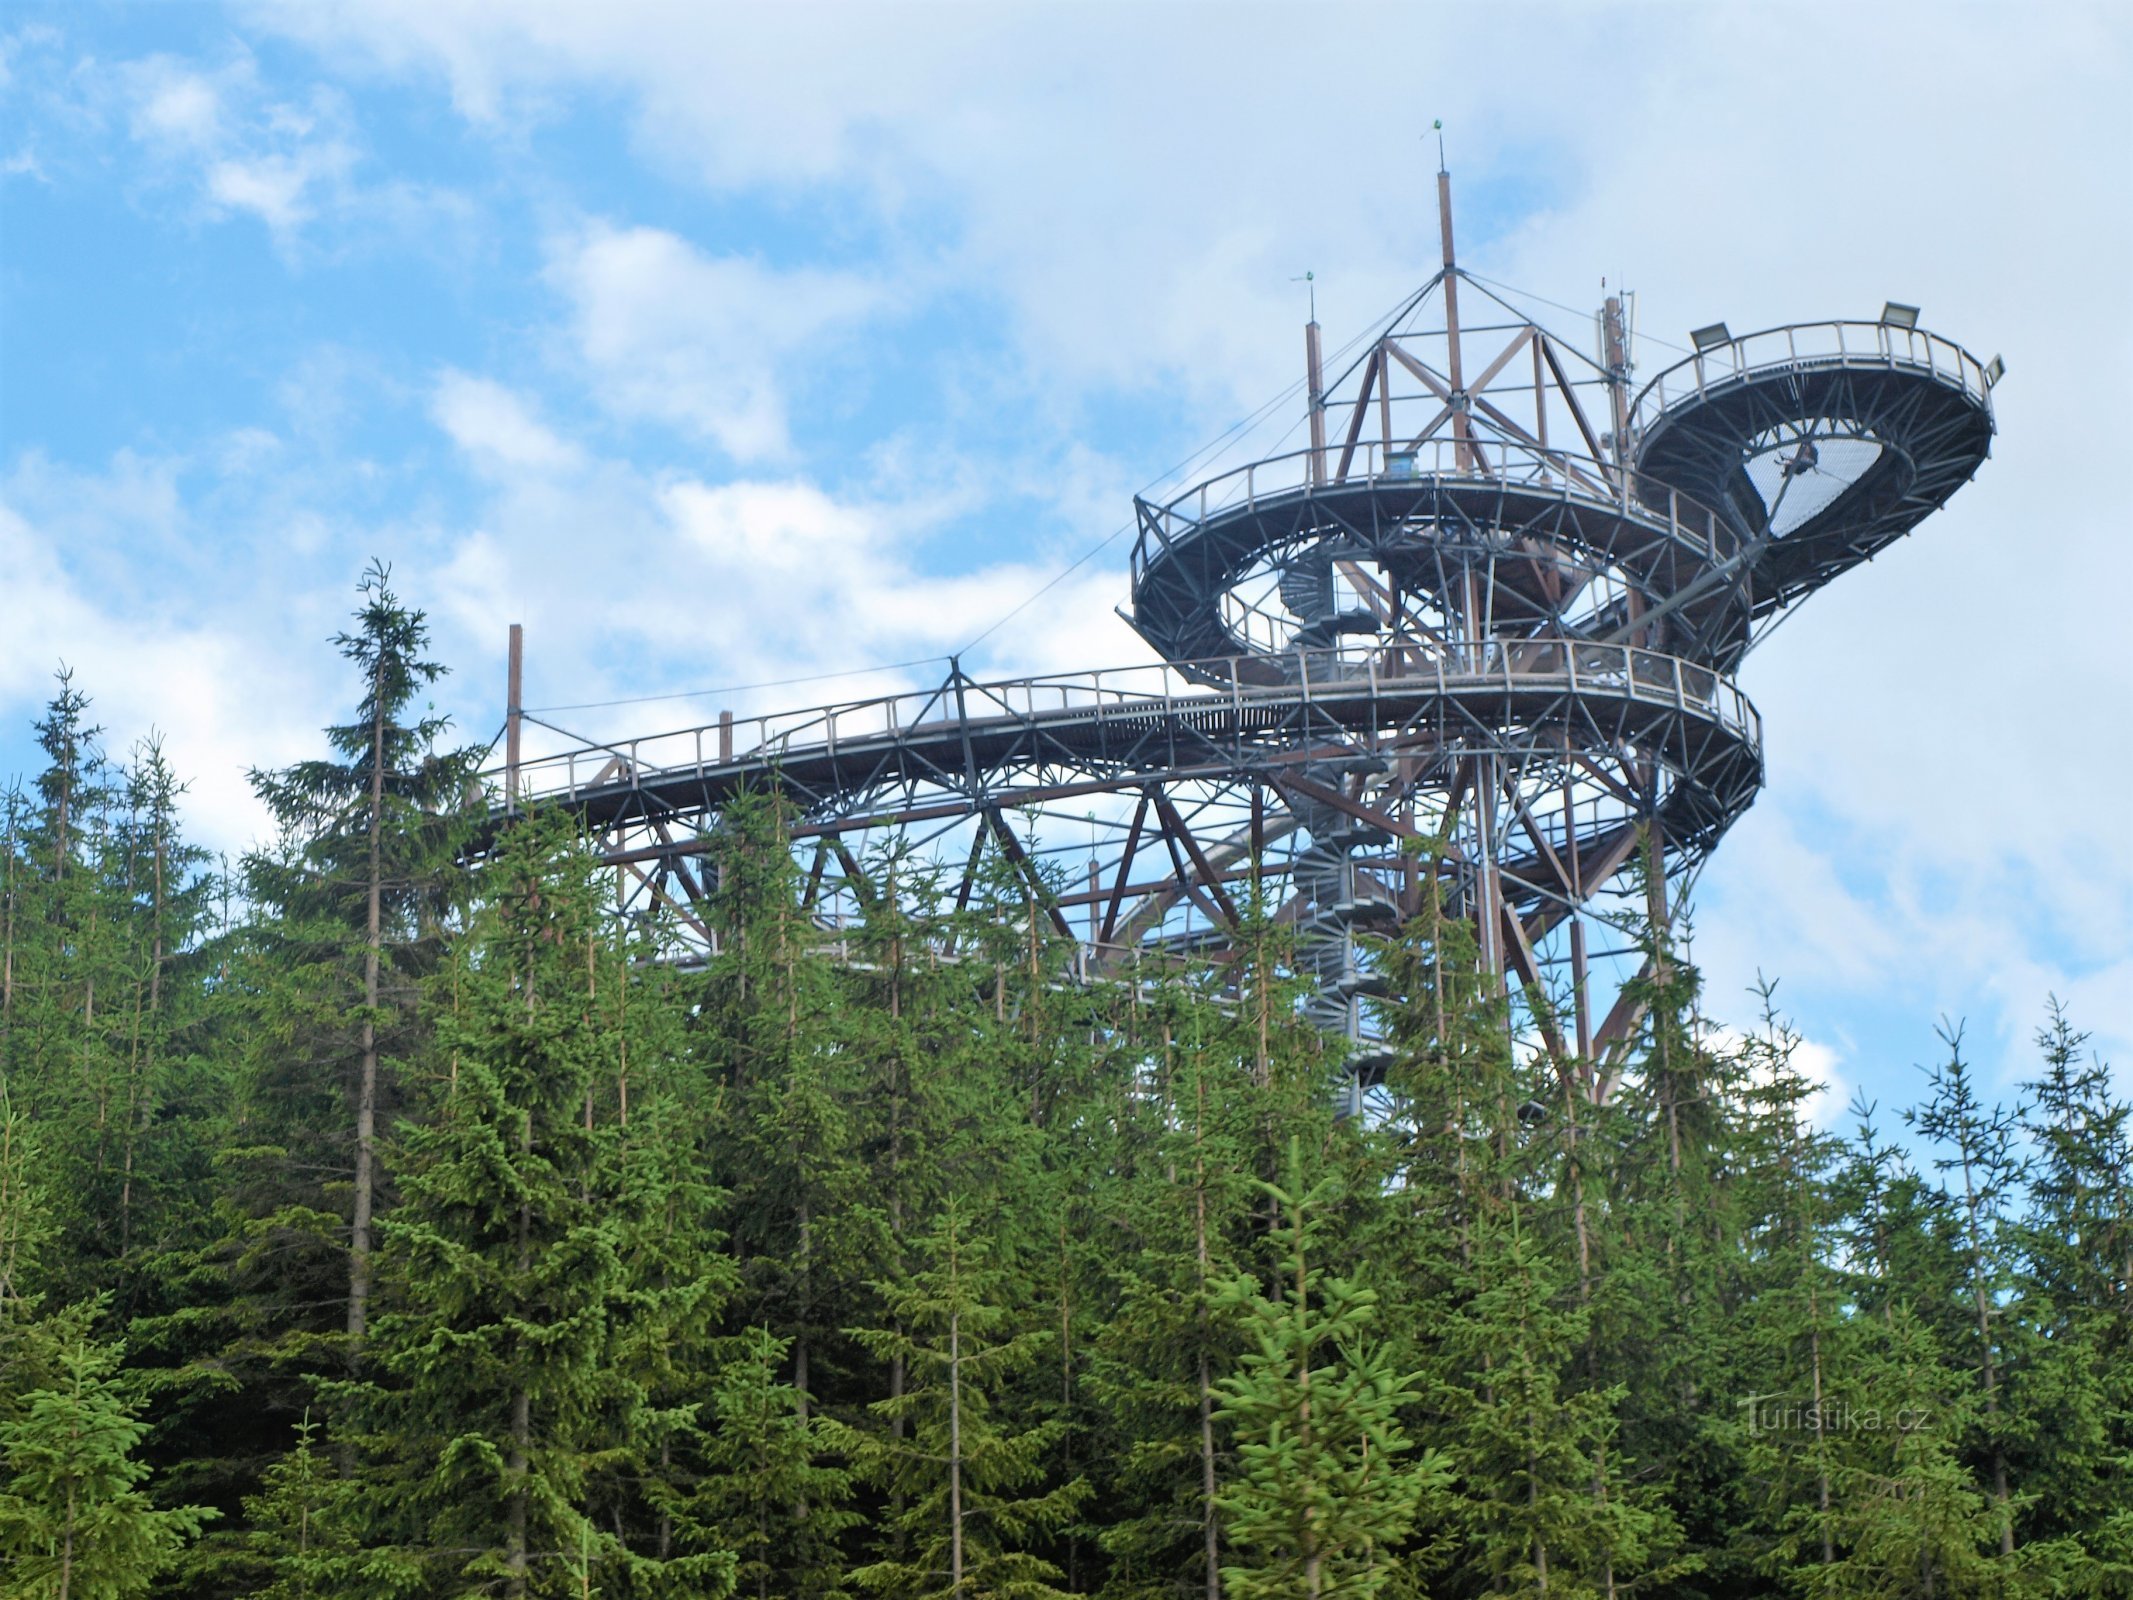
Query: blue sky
pixel 719 346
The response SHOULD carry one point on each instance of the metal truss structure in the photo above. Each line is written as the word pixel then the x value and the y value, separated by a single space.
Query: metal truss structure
pixel 1475 641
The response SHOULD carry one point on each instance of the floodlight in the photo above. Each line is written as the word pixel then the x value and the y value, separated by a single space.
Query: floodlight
pixel 1712 337
pixel 1898 315
pixel 1995 370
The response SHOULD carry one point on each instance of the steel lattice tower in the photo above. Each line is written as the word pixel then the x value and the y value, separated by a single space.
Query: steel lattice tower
pixel 1496 603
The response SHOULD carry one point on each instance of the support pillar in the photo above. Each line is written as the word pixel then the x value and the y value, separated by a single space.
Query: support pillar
pixel 514 711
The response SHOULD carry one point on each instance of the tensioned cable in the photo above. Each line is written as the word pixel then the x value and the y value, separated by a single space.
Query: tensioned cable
pixel 1243 425
pixel 1248 422
pixel 740 688
pixel 1528 294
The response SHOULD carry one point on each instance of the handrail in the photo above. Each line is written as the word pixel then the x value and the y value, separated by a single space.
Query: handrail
pixel 1576 666
pixel 1562 473
pixel 1837 343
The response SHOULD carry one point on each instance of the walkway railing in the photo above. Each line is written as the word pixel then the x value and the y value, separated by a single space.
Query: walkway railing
pixel 1556 473
pixel 1223 686
pixel 1811 345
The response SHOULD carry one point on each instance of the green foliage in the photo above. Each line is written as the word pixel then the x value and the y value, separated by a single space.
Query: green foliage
pixel 297 1534
pixel 498 1403
pixel 359 891
pixel 74 1521
pixel 773 1492
pixel 1321 1498
pixel 965 1475
pixel 447 1237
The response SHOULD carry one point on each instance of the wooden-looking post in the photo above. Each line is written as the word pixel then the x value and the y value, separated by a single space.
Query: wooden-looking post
pixel 514 699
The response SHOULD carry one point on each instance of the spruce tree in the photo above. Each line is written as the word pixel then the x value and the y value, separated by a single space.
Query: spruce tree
pixel 65 1039
pixel 1529 1439
pixel 173 1106
pixel 968 1477
pixel 1794 1331
pixel 357 891
pixel 1321 1500
pixel 774 1490
pixel 1176 1206
pixel 1910 1518
pixel 918 1016
pixel 498 1402
pixel 660 1115
pixel 2073 1250
pixel 1978 1149
pixel 773 1031
pixel 297 1537
pixel 75 1523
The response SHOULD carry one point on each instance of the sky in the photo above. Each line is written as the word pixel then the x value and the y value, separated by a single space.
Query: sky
pixel 721 345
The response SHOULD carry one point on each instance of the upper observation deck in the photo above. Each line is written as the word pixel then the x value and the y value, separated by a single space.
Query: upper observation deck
pixel 1822 442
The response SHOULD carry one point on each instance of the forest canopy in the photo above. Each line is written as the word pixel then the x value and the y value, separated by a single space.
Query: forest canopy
pixel 380 1217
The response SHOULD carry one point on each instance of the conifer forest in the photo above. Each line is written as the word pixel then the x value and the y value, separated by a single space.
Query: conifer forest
pixel 386 1219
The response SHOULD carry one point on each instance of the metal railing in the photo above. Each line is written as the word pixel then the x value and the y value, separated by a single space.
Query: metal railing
pixel 1556 473
pixel 1225 685
pixel 1809 345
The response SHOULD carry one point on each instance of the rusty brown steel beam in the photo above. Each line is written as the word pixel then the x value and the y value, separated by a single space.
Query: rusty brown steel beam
pixel 1540 395
pixel 1437 386
pixel 1429 428
pixel 1626 1014
pixel 1512 426
pixel 1533 831
pixel 1174 828
pixel 1577 412
pixel 1312 789
pixel 1462 429
pixel 1355 422
pixel 1125 866
pixel 1021 797
pixel 1527 966
pixel 970 869
pixel 862 890
pixel 1011 847
pixel 1488 374
pixel 678 863
pixel 1315 385
pixel 1375 594
pixel 1101 895
pixel 683 912
pixel 514 714
pixel 1607 780
pixel 1385 419
pixel 970 878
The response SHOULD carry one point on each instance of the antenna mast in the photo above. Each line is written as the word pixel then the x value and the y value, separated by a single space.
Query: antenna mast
pixel 1461 433
pixel 1315 382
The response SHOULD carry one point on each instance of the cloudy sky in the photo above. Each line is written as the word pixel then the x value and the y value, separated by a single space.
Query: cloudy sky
pixel 720 345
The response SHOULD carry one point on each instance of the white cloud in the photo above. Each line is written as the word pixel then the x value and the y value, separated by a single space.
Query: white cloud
pixel 226 139
pixel 724 583
pixel 707 343
pixel 1817 1065
pixel 279 189
pixel 176 105
pixel 220 697
pixel 497 428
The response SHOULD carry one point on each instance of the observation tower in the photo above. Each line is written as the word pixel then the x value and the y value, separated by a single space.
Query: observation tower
pixel 1495 605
